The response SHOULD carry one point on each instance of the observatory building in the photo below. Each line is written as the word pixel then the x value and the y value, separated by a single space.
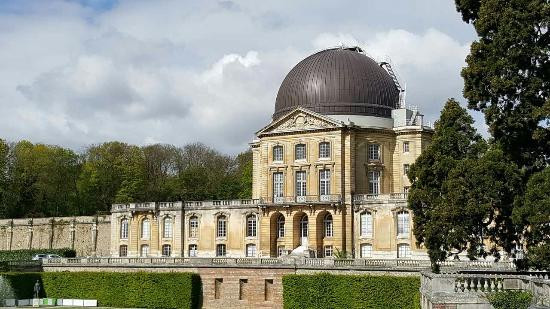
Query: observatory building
pixel 329 176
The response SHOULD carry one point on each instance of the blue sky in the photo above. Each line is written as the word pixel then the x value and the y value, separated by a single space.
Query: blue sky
pixel 75 73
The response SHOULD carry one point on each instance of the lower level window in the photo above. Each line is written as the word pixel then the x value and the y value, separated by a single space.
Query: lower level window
pixel 144 251
pixel 166 250
pixel 220 250
pixel 281 250
pixel 250 250
pixel 366 250
pixel 328 251
pixel 403 251
pixel 193 250
pixel 123 251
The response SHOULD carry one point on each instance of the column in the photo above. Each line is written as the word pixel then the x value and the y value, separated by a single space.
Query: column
pixel 72 233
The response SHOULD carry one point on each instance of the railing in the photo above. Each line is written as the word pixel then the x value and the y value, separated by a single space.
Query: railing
pixel 165 205
pixel 362 198
pixel 399 264
pixel 304 199
pixel 458 288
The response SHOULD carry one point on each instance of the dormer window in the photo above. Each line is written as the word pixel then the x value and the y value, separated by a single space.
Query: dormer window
pixel 374 152
pixel 278 153
pixel 300 152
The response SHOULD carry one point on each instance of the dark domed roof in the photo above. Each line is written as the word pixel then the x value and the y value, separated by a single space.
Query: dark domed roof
pixel 339 81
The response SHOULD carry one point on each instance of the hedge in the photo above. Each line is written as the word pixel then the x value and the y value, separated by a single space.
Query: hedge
pixel 510 299
pixel 350 291
pixel 137 290
pixel 27 255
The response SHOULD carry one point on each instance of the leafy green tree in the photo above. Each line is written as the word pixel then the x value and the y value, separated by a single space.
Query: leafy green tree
pixel 4 174
pixel 508 75
pixel 112 172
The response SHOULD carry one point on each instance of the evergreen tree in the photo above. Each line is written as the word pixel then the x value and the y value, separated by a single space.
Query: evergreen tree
pixel 456 202
pixel 508 75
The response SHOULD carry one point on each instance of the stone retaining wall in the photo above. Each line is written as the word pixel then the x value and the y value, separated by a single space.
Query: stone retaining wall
pixel 89 236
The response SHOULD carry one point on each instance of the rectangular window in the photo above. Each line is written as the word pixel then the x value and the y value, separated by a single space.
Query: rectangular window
pixel 406 189
pixel 268 290
pixel 403 251
pixel 250 250
pixel 222 227
pixel 324 150
pixel 301 183
pixel 193 227
pixel 220 250
pixel 374 152
pixel 403 227
pixel 166 250
pixel 300 152
pixel 366 250
pixel 281 250
pixel 366 225
pixel 405 147
pixel 374 182
pixel 124 229
pixel 251 226
pixel 280 227
pixel 123 252
pixel 278 184
pixel 167 232
pixel 324 182
pixel 278 153
pixel 193 250
pixel 406 168
pixel 243 287
pixel 218 282
pixel 328 251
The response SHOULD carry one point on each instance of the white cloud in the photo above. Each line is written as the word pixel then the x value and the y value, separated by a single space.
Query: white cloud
pixel 179 72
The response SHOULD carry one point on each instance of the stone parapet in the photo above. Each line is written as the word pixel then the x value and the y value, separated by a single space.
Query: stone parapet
pixel 305 263
pixel 469 290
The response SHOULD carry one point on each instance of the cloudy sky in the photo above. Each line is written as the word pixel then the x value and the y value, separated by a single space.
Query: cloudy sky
pixel 75 73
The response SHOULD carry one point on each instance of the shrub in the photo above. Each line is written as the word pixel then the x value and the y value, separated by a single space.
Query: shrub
pixel 137 290
pixel 26 255
pixel 349 291
pixel 510 299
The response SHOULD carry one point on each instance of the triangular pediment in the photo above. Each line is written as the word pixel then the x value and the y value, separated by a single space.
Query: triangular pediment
pixel 300 119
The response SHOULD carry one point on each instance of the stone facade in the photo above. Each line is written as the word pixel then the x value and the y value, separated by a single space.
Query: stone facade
pixel 321 185
pixel 89 236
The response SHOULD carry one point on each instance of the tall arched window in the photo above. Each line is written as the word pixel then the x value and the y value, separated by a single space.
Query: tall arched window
pixel 403 226
pixel 281 226
pixel 145 229
pixel 193 227
pixel 303 226
pixel 167 228
pixel 366 224
pixel 221 226
pixel 251 226
pixel 327 223
pixel 124 228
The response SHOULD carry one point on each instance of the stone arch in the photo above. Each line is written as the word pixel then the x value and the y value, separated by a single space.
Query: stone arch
pixel 274 239
pixel 320 231
pixel 300 229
